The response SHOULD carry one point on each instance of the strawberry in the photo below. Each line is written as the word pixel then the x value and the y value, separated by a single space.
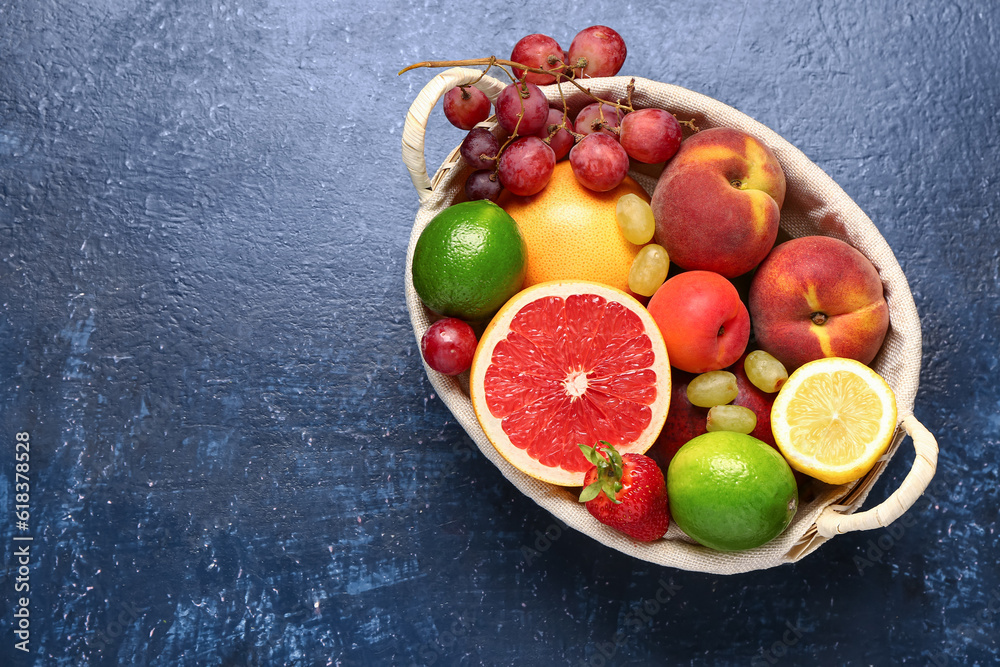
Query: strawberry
pixel 626 492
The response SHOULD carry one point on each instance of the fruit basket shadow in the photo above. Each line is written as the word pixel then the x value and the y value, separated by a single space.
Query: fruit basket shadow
pixel 814 205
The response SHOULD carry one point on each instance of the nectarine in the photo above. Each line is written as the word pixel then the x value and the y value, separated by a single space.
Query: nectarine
pixel 704 324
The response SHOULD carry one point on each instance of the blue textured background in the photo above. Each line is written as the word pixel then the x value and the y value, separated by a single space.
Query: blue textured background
pixel 236 458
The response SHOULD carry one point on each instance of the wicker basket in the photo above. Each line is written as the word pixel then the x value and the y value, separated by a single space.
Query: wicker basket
pixel 814 204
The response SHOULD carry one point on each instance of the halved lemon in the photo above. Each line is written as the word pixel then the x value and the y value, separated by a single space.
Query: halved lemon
pixel 833 419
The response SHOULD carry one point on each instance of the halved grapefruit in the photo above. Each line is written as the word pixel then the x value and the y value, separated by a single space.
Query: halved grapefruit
pixel 566 363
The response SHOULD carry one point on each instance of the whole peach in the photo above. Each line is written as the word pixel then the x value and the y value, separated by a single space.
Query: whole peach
pixel 704 324
pixel 817 296
pixel 718 201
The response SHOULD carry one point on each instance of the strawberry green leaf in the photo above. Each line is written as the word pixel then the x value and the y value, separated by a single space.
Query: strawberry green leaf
pixel 610 469
pixel 590 492
pixel 592 455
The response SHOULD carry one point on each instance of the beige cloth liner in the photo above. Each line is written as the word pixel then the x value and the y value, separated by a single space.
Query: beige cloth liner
pixel 814 204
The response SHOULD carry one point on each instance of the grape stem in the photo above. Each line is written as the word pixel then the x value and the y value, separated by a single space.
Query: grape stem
pixel 493 61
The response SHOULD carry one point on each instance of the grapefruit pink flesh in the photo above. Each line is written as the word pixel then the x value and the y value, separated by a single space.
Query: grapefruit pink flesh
pixel 572 371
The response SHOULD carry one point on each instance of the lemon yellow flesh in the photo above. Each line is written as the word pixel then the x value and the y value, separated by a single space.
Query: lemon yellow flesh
pixel 833 417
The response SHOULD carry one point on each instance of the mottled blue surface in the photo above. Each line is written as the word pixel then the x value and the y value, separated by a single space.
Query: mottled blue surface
pixel 235 456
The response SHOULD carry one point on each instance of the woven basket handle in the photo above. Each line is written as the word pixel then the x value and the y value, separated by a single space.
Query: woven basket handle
pixel 831 522
pixel 416 119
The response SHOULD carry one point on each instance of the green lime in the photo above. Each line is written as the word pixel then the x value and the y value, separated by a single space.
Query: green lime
pixel 469 260
pixel 730 491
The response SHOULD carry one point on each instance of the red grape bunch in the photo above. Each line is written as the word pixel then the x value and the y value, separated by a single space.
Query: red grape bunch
pixel 521 154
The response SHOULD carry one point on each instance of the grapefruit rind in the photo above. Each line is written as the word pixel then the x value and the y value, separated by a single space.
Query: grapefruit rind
pixel 873 447
pixel 497 331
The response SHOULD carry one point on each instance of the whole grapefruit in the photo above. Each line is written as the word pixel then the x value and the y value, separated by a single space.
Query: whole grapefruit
pixel 571 233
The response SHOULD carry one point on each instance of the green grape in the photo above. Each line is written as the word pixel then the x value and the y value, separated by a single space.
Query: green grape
pixel 712 388
pixel 764 371
pixel 649 269
pixel 635 219
pixel 731 418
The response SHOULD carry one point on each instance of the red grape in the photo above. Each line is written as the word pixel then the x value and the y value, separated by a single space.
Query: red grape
pixel 510 104
pixel 448 346
pixel 541 52
pixel 598 117
pixel 602 48
pixel 650 135
pixel 477 143
pixel 526 166
pixel 562 140
pixel 599 162
pixel 482 184
pixel 465 106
